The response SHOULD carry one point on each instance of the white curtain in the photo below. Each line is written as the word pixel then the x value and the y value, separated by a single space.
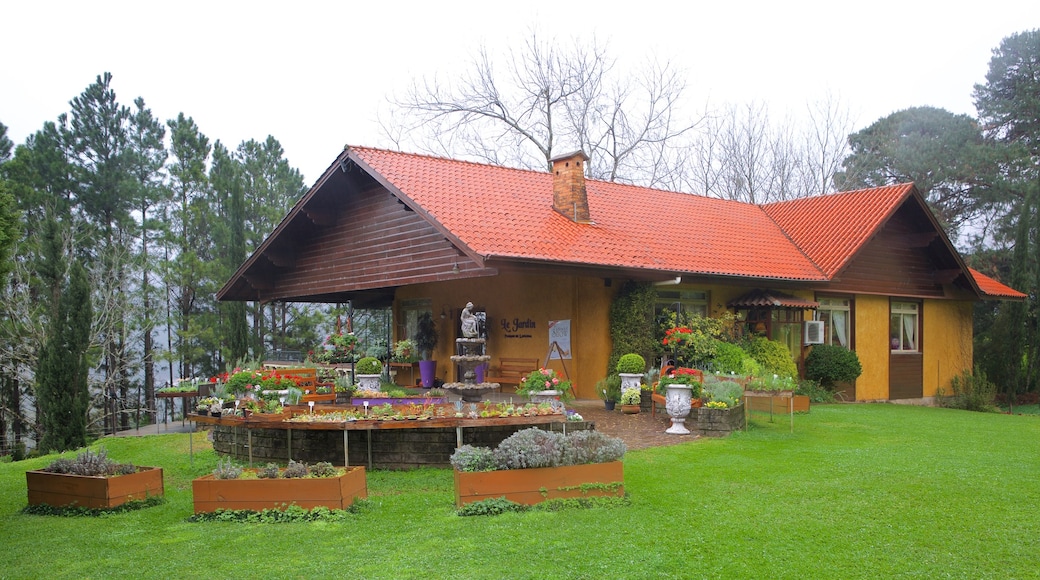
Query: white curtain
pixel 838 318
pixel 909 330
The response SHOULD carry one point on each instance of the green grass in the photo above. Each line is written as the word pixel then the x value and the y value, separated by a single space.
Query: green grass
pixel 857 491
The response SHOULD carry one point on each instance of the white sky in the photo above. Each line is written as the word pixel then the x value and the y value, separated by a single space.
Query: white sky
pixel 316 74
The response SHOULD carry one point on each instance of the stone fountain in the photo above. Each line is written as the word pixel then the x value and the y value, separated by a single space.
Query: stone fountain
pixel 470 352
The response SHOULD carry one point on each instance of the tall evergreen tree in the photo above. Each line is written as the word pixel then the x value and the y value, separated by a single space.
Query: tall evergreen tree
pixel 1009 107
pixel 147 156
pixel 61 377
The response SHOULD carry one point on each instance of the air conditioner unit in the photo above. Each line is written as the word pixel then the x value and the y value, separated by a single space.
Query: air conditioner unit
pixel 814 330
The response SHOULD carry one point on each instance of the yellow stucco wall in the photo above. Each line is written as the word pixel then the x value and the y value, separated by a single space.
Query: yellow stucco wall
pixel 872 347
pixel 947 342
pixel 519 308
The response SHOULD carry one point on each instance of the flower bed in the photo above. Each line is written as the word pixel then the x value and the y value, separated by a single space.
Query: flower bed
pixel 531 486
pixel 532 466
pixel 92 481
pixel 211 494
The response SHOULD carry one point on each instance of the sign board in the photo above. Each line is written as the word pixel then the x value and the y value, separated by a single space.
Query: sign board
pixel 560 334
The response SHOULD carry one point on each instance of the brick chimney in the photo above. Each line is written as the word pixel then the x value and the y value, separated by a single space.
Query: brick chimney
pixel 569 196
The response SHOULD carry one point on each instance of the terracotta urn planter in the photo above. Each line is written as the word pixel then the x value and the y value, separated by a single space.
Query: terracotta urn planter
pixel 211 494
pixel 630 409
pixel 96 492
pixel 531 486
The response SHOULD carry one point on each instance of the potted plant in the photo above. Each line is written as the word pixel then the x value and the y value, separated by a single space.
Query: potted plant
pixel 425 342
pixel 630 401
pixel 533 465
pixel 609 389
pixel 630 368
pixel 92 480
pixel 544 385
pixel 369 373
pixel 404 351
pixel 233 488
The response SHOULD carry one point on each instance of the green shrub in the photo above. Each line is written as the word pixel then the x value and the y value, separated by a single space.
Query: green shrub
pixel 831 364
pixel 369 365
pixel 772 356
pixel 730 358
pixel 471 458
pixel 814 391
pixel 727 392
pixel 970 392
pixel 631 364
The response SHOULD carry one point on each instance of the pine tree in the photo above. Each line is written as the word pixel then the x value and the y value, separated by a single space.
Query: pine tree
pixel 61 377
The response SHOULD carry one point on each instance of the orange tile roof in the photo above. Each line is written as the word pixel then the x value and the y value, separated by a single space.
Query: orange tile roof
pixel 993 288
pixel 830 229
pixel 498 212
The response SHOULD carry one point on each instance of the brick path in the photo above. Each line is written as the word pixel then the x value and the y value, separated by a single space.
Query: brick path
pixel 637 431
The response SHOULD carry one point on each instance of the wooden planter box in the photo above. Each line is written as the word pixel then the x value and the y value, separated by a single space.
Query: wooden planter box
pixel 531 486
pixel 61 489
pixel 777 403
pixel 259 494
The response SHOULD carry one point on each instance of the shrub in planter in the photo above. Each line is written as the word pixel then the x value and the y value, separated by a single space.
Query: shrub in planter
pixel 830 364
pixel 92 480
pixel 609 389
pixel 727 392
pixel 231 487
pixel 632 364
pixel 532 466
pixel 369 365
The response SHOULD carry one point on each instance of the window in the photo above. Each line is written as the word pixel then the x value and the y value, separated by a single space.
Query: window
pixel 686 303
pixel 835 314
pixel 410 310
pixel 786 327
pixel 904 329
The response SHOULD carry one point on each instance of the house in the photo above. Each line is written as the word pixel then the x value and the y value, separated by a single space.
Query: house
pixel 542 255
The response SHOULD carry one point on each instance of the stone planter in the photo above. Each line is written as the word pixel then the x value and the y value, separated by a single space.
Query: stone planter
pixel 545 396
pixel 61 489
pixel 531 486
pixel 370 382
pixel 211 494
pixel 630 381
pixel 719 422
pixel 677 402
pixel 646 401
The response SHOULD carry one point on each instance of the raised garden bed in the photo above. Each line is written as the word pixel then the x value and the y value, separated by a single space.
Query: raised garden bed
pixel 95 492
pixel 211 494
pixel 531 486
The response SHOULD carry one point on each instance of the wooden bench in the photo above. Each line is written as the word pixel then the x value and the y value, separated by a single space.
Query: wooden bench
pixel 511 371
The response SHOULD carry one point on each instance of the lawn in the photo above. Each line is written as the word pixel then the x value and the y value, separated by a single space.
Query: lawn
pixel 857 491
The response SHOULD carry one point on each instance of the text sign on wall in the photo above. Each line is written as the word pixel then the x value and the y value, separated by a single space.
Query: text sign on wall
pixel 560 333
pixel 517 328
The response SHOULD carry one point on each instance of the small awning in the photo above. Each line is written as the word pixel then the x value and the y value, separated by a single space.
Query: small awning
pixel 771 299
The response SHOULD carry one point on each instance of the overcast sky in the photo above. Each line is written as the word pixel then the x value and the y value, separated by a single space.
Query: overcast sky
pixel 315 75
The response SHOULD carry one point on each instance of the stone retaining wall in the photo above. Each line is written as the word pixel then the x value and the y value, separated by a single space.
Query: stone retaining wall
pixel 391 448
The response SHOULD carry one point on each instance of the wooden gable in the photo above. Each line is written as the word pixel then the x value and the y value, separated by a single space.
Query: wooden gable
pixel 349 238
pixel 907 256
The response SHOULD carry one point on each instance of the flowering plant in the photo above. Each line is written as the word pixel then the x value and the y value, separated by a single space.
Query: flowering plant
pixel 682 376
pixel 544 380
pixel 404 351
pixel 253 382
pixel 337 348
pixel 717 405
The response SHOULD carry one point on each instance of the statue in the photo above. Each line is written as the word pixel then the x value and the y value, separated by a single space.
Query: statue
pixel 469 321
